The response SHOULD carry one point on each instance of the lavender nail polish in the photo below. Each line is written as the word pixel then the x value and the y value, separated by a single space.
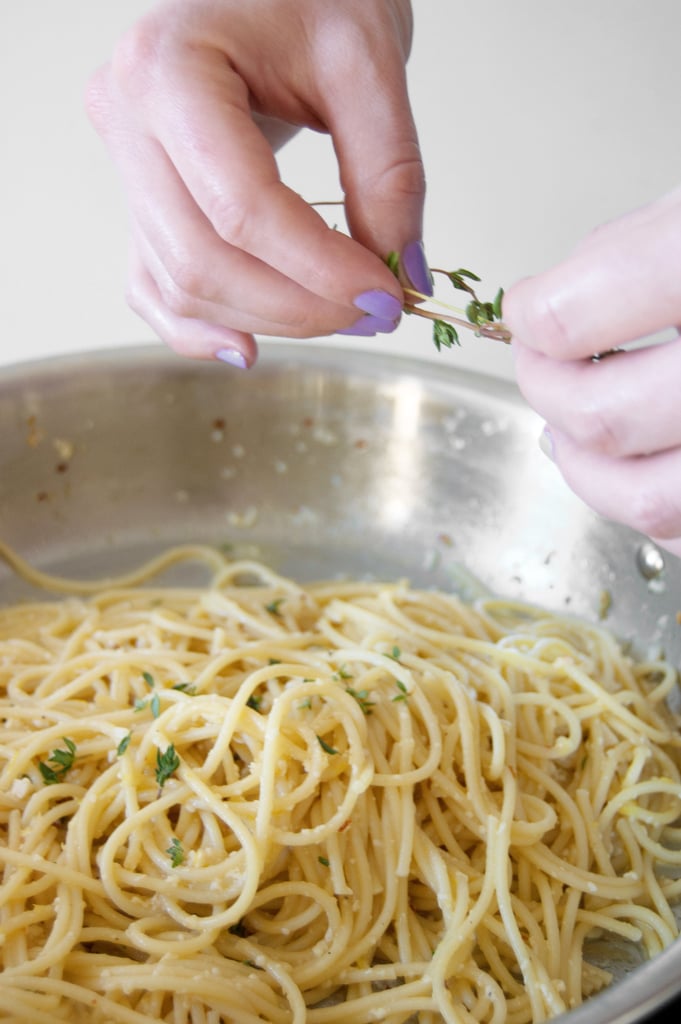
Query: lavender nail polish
pixel 368 326
pixel 415 266
pixel 379 304
pixel 232 356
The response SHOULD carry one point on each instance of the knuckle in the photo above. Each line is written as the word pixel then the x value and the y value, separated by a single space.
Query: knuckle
pixel 594 427
pixel 230 215
pixel 653 513
pixel 177 300
pixel 97 101
pixel 544 323
pixel 136 58
pixel 183 283
pixel 408 177
pixel 135 299
pixel 404 178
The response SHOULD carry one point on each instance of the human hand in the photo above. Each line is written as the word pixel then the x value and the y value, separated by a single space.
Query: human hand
pixel 194 101
pixel 613 425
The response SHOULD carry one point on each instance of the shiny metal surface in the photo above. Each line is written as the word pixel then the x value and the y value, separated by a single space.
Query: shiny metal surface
pixel 323 463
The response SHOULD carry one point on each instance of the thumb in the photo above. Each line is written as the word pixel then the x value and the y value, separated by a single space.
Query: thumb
pixel 371 124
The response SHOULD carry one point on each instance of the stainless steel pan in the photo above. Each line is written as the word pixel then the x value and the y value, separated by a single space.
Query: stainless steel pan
pixel 324 462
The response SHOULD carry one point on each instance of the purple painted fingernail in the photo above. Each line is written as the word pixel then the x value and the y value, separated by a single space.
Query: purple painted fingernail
pixel 379 304
pixel 415 266
pixel 232 356
pixel 368 326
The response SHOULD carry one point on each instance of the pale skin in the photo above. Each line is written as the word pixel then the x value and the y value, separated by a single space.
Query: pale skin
pixel 614 426
pixel 193 104
pixel 192 107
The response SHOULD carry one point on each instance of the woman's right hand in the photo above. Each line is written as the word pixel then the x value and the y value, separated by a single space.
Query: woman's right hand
pixel 192 107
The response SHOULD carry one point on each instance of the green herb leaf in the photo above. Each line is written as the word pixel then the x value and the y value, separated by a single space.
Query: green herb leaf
pixel 474 312
pixel 396 653
pixel 254 702
pixel 404 692
pixel 273 606
pixel 496 305
pixel 123 745
pixel 166 763
pixel 50 777
pixel 188 688
pixel 392 262
pixel 325 746
pixel 175 852
pixel 63 759
pixel 155 705
pixel 459 283
pixel 362 698
pixel 343 673
pixel 324 861
pixel 140 705
pixel 307 703
pixel 444 335
pixel 462 272
pixel 149 679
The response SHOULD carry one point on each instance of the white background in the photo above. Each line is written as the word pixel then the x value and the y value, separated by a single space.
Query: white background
pixel 538 120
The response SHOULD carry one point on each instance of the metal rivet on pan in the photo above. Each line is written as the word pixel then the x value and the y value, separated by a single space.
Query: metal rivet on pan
pixel 649 560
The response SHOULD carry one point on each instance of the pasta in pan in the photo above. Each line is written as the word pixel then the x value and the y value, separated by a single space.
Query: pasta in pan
pixel 258 801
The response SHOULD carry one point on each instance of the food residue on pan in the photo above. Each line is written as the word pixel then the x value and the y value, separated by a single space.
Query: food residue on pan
pixel 35 434
pixel 65 449
pixel 245 519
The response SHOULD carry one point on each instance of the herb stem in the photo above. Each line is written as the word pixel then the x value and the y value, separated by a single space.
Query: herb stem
pixel 439 302
pixel 498 333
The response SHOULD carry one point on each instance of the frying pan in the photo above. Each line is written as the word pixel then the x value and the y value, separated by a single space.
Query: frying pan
pixel 323 463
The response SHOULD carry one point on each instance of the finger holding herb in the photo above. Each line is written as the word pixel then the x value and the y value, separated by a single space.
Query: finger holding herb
pixel 480 316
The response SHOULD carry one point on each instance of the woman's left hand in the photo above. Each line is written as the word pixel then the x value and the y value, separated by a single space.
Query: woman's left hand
pixel 614 423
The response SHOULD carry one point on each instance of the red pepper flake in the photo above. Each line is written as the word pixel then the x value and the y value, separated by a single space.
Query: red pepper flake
pixel 361 443
pixel 444 538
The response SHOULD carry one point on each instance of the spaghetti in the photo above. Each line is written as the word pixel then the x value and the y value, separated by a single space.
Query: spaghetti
pixel 259 802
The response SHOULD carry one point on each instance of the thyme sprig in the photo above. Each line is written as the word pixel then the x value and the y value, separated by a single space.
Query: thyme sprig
pixel 175 852
pixel 166 763
pixel 63 762
pixel 480 316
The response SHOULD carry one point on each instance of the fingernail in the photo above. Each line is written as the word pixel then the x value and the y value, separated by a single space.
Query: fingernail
pixel 546 443
pixel 415 266
pixel 232 356
pixel 379 304
pixel 368 326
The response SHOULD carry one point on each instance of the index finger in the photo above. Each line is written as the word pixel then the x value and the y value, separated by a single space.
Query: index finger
pixel 201 116
pixel 621 285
